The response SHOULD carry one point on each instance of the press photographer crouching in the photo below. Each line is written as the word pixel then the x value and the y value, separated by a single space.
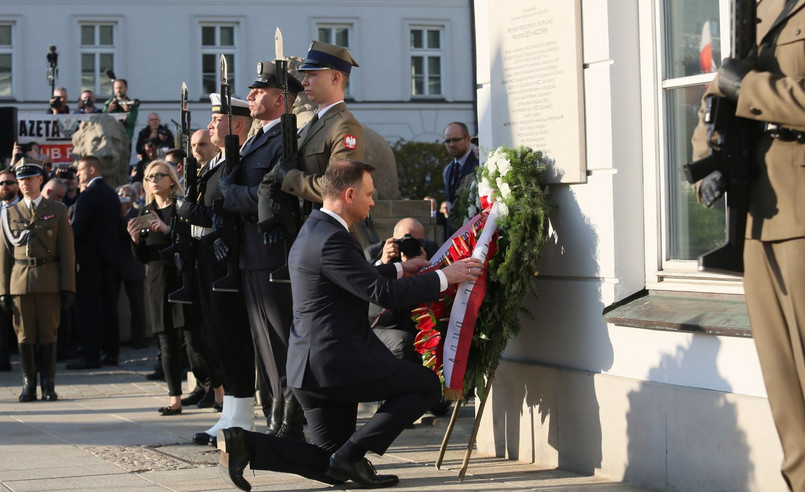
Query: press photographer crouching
pixel 58 103
pixel 395 328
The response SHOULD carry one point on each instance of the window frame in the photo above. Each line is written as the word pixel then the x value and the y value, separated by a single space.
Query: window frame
pixel 102 85
pixel 10 50
pixel 426 53
pixel 663 272
pixel 233 63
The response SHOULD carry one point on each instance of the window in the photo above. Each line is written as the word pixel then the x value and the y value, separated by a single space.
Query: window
pixel 6 53
pixel 97 51
pixel 337 34
pixel 691 54
pixel 425 46
pixel 215 41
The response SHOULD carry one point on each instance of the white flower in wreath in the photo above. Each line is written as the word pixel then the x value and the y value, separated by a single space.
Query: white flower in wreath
pixel 504 166
pixel 472 211
pixel 504 189
pixel 484 188
pixel 503 210
pixel 491 164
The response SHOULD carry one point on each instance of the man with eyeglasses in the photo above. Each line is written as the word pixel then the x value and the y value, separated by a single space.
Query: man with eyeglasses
pixel 37 277
pixel 457 140
pixel 9 196
pixel 95 224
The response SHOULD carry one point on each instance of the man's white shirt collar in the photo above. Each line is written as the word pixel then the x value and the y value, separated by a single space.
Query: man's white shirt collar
pixel 37 201
pixel 321 112
pixel 336 217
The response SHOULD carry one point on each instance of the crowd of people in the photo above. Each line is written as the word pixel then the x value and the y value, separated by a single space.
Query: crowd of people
pixel 210 263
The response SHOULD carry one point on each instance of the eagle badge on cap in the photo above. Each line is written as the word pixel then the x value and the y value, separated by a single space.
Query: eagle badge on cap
pixel 350 142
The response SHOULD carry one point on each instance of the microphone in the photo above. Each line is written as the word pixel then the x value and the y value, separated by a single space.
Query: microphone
pixel 109 73
pixel 53 56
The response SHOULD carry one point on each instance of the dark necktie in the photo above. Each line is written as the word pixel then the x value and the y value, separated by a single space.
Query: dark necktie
pixel 454 173
pixel 32 208
pixel 253 140
pixel 314 119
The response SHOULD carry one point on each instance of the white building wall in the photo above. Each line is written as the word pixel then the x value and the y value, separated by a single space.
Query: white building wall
pixel 671 410
pixel 158 43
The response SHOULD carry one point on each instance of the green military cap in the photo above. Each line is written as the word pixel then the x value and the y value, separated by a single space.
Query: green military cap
pixel 323 56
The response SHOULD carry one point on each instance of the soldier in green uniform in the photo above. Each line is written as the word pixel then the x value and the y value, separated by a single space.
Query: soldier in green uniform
pixel 770 90
pixel 332 134
pixel 37 273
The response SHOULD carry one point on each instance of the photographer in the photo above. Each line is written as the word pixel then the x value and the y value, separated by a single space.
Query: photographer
pixel 396 329
pixel 87 104
pixel 58 103
pixel 122 104
pixel 154 132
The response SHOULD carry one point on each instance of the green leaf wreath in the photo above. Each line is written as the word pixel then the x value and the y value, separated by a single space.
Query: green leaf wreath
pixel 514 175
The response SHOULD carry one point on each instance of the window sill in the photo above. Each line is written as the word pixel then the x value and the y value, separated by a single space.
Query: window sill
pixel 670 311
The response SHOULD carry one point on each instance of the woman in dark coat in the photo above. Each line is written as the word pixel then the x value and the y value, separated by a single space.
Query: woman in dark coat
pixel 150 233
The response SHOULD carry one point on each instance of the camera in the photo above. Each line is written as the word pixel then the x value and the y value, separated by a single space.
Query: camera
pixel 56 102
pixel 143 233
pixel 129 102
pixel 409 245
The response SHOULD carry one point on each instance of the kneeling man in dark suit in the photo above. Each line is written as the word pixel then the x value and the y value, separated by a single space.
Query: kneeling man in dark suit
pixel 334 359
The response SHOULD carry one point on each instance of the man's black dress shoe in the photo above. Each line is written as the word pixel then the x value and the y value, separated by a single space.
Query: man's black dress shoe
pixel 110 360
pixel 202 438
pixel 362 472
pixel 84 364
pixel 208 400
pixel 168 411
pixel 192 398
pixel 234 457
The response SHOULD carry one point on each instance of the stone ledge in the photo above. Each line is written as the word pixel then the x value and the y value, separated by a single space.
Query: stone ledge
pixel 725 316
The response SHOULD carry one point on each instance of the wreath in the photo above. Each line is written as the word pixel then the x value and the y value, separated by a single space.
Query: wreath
pixel 507 196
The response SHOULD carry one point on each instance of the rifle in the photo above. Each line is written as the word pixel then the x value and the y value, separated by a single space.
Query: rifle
pixel 275 208
pixel 182 243
pixel 730 152
pixel 225 234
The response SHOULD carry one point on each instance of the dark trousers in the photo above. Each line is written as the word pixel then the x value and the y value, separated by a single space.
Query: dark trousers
pixel 332 418
pixel 270 309
pixel 196 348
pixel 170 341
pixel 135 293
pixel 96 310
pixel 229 338
pixel 7 337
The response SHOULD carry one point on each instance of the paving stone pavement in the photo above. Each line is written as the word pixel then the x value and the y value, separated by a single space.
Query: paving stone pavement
pixel 104 433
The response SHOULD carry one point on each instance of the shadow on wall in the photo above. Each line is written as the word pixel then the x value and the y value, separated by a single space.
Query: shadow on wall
pixel 559 408
pixel 705 449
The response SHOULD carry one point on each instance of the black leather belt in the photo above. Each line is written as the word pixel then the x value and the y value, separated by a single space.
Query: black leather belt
pixel 34 262
pixel 778 132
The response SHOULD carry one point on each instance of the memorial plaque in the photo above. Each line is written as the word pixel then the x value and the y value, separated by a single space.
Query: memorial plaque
pixel 537 96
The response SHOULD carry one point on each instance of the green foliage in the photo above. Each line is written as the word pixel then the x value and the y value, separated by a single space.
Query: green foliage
pixel 419 169
pixel 522 234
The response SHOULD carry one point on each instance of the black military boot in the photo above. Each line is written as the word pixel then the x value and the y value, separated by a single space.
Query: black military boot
pixel 275 419
pixel 28 367
pixel 293 419
pixel 47 372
